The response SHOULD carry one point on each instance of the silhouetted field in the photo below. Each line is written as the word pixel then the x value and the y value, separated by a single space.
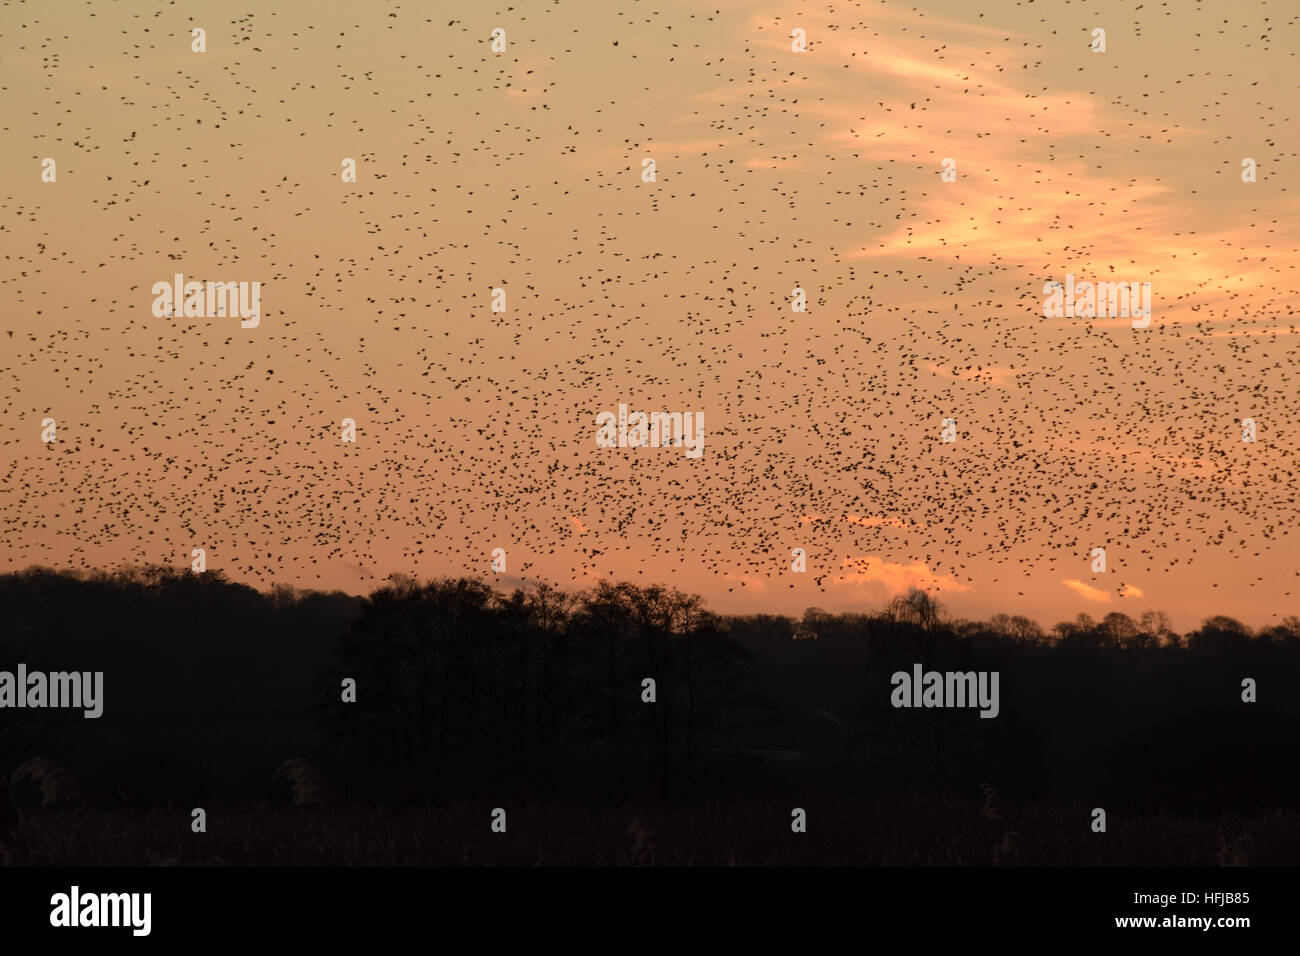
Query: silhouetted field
pixel 747 832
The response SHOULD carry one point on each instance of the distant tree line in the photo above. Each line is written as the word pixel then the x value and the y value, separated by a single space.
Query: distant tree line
pixel 464 691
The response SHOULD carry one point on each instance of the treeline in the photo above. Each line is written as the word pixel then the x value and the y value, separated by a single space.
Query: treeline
pixel 462 691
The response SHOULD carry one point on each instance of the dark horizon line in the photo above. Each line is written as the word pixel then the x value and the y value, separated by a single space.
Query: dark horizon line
pixel 125 571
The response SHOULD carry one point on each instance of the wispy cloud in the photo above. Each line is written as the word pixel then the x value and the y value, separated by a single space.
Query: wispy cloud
pixel 1087 591
pixel 895 577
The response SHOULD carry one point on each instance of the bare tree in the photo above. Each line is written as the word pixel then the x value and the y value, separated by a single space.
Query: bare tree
pixel 915 607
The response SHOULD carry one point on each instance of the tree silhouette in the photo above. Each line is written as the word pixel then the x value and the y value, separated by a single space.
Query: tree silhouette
pixel 467 692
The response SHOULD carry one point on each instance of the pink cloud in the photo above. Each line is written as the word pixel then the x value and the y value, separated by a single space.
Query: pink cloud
pixel 866 521
pixel 896 577
pixel 1087 591
pixel 1008 204
pixel 747 581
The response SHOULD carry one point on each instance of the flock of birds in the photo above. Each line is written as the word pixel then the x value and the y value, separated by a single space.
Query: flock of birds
pixel 523 171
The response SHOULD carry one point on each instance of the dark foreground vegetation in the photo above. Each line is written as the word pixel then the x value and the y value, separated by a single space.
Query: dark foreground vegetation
pixel 917 831
pixel 468 699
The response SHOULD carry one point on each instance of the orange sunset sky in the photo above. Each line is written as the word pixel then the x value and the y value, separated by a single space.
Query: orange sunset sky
pixel 774 169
